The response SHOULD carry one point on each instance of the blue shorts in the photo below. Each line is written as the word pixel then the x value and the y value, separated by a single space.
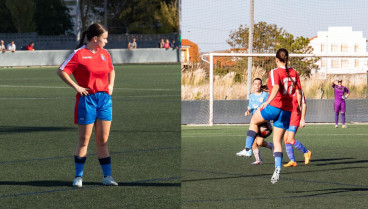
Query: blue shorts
pixel 292 129
pixel 93 106
pixel 281 118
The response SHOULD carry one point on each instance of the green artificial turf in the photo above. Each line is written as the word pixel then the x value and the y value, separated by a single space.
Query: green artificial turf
pixel 214 177
pixel 38 140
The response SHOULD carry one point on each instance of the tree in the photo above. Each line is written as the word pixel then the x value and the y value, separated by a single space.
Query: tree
pixel 52 18
pixel 22 13
pixel 268 38
pixel 168 17
pixel 6 22
pixel 137 16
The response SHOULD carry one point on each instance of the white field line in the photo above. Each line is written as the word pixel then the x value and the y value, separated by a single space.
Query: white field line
pixel 66 87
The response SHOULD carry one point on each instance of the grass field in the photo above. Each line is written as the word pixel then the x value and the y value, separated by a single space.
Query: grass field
pixel 214 177
pixel 38 140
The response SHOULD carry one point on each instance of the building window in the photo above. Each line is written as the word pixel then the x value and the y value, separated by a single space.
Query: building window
pixel 323 48
pixel 335 63
pixel 345 63
pixel 344 48
pixel 356 47
pixel 335 48
pixel 323 63
pixel 356 62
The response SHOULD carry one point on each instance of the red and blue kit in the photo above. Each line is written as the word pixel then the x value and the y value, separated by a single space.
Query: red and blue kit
pixel 90 70
pixel 279 109
pixel 284 96
pixel 295 115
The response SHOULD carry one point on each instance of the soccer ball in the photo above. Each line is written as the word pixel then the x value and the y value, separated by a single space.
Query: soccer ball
pixel 265 129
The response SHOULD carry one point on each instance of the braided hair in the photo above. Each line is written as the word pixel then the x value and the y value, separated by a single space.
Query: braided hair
pixel 283 55
pixel 93 30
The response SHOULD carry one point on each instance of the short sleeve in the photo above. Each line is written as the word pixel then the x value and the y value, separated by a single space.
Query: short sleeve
pixel 111 66
pixel 70 64
pixel 298 85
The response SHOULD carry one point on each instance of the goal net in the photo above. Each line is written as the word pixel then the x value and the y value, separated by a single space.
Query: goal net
pixel 216 92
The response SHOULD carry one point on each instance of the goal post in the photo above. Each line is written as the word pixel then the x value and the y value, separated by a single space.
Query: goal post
pixel 341 57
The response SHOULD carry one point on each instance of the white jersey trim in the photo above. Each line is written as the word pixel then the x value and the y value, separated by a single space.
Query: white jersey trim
pixel 70 57
pixel 272 77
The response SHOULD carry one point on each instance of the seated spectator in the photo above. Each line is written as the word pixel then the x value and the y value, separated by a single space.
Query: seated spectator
pixel 167 44
pixel 29 47
pixel 133 44
pixel 173 44
pixel 2 46
pixel 12 47
pixel 162 43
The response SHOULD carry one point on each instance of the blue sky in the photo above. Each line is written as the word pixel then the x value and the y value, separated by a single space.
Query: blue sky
pixel 209 22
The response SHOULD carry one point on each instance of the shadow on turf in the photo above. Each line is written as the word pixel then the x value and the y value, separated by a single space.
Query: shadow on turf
pixel 330 191
pixel 26 129
pixel 69 183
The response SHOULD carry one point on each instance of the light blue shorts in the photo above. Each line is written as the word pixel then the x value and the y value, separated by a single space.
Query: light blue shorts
pixel 94 106
pixel 281 118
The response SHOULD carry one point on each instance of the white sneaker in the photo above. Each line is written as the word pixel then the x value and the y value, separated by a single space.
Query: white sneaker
pixel 77 181
pixel 276 175
pixel 257 162
pixel 343 126
pixel 109 181
pixel 244 153
pixel 336 126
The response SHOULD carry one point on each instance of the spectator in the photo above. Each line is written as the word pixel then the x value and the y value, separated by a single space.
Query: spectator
pixel 29 47
pixel 162 43
pixel 2 46
pixel 12 47
pixel 167 44
pixel 133 44
pixel 173 44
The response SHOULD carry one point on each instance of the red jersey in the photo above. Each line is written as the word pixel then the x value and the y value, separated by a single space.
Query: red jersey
pixel 295 100
pixel 90 70
pixel 284 96
pixel 29 47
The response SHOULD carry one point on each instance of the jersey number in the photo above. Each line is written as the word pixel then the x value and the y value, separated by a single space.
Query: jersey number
pixel 288 89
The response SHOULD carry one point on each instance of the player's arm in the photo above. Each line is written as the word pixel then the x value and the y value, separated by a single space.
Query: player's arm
pixel 66 78
pixel 304 112
pixel 273 94
pixel 111 81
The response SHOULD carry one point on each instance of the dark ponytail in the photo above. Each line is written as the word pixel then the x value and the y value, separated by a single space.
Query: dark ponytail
pixel 93 30
pixel 81 41
pixel 283 55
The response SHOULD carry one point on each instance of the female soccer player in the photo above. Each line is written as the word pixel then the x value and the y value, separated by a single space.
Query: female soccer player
pixel 255 100
pixel 283 82
pixel 340 97
pixel 296 119
pixel 92 68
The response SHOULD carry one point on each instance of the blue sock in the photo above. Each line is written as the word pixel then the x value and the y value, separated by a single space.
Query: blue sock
pixel 290 151
pixel 251 135
pixel 300 147
pixel 106 166
pixel 79 165
pixel 278 159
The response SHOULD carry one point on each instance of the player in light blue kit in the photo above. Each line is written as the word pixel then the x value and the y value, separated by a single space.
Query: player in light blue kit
pixel 255 100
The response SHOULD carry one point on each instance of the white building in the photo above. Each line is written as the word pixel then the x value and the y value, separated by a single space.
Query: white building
pixel 340 40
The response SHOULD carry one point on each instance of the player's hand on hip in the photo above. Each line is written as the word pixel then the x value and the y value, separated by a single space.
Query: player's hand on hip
pixel 82 91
